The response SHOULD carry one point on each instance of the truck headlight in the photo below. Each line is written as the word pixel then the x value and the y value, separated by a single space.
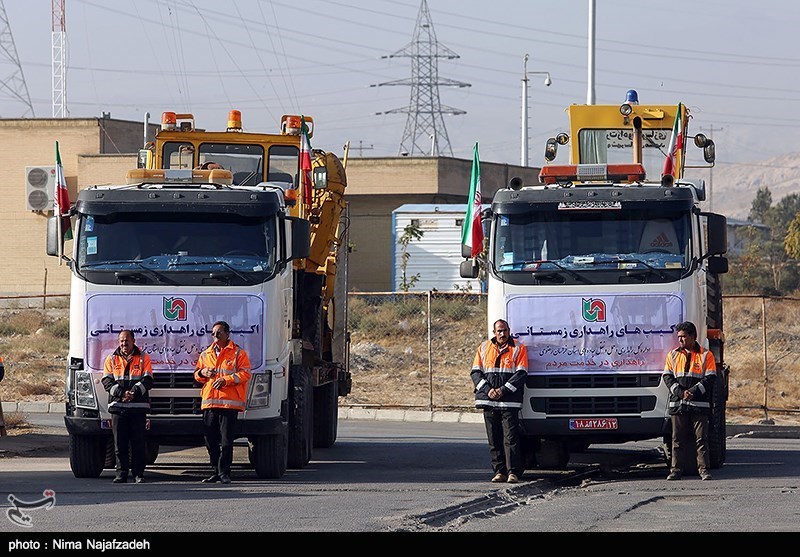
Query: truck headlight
pixel 84 390
pixel 260 389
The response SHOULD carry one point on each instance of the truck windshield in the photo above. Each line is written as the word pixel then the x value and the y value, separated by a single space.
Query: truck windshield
pixel 591 240
pixel 176 249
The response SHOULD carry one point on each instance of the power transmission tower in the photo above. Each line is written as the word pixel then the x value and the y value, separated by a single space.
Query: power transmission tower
pixel 425 132
pixel 15 82
pixel 59 57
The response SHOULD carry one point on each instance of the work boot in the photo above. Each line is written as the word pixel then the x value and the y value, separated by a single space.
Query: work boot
pixel 674 475
pixel 211 479
pixel 224 478
pixel 120 480
pixel 513 478
pixel 499 478
pixel 705 475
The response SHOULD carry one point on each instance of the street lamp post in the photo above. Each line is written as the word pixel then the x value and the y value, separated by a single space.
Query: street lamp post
pixel 523 161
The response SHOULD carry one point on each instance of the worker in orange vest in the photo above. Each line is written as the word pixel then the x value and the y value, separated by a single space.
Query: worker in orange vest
pixel 223 369
pixel 128 377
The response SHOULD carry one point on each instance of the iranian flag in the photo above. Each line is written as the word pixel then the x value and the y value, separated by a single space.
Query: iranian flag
pixel 471 230
pixel 675 144
pixel 305 161
pixel 61 204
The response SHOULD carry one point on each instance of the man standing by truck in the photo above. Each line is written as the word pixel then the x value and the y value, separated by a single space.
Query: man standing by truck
pixel 689 372
pixel 128 376
pixel 224 370
pixel 499 372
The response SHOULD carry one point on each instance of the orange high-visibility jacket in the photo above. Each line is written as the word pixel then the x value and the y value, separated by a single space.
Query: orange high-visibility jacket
pixel 232 364
pixel 693 371
pixel 122 374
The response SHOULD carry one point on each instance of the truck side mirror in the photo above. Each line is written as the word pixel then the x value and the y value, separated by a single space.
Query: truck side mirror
pixel 301 238
pixel 468 269
pixel 53 241
pixel 717 234
pixel 717 265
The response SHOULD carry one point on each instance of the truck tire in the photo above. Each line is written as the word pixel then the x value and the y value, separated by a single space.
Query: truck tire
pixel 269 456
pixel 301 417
pixel 326 414
pixel 87 455
pixel 717 439
pixel 552 455
pixel 111 455
pixel 714 299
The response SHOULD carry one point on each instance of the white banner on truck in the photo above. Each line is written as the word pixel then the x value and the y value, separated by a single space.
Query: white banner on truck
pixel 173 330
pixel 596 333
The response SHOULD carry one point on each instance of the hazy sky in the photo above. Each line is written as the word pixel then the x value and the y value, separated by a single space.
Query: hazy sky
pixel 732 62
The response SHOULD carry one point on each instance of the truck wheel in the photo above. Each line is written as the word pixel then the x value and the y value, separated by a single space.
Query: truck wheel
pixel 111 456
pixel 301 417
pixel 150 452
pixel 717 434
pixel 87 455
pixel 326 414
pixel 269 456
pixel 552 455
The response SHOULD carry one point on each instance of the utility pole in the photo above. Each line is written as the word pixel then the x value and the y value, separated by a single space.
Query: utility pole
pixel 590 61
pixel 710 131
pixel 523 159
pixel 361 148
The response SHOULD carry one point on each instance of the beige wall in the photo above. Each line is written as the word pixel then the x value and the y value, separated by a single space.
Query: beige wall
pixel 32 143
pixel 101 151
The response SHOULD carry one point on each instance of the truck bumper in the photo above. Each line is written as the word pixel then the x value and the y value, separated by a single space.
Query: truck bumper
pixel 178 431
pixel 628 429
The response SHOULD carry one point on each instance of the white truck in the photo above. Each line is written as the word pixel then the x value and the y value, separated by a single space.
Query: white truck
pixel 175 250
pixel 594 266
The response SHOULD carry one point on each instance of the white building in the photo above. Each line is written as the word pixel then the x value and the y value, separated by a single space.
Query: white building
pixel 435 257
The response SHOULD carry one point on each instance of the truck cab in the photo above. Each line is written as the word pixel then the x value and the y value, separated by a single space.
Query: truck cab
pixel 594 266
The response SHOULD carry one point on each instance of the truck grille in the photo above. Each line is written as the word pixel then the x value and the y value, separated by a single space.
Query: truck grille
pixel 593 381
pixel 167 380
pixel 174 405
pixel 600 405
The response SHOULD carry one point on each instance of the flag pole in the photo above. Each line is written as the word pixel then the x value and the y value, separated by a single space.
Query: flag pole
pixel 57 212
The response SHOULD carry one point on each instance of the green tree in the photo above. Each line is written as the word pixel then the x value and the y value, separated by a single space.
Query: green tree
pixel 760 205
pixel 792 241
pixel 411 232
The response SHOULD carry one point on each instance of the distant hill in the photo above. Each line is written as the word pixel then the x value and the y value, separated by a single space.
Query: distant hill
pixel 734 186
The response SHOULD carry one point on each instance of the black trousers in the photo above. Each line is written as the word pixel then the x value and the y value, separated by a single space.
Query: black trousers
pixel 503 432
pixel 129 431
pixel 219 425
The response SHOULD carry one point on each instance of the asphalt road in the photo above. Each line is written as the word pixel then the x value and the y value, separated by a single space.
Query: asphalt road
pixel 401 477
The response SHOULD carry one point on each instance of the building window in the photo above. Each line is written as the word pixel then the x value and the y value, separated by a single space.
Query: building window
pixel 459 223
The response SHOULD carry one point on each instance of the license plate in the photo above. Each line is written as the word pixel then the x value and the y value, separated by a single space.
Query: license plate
pixel 593 423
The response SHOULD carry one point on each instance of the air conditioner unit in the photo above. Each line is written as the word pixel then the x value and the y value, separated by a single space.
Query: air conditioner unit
pixel 40 187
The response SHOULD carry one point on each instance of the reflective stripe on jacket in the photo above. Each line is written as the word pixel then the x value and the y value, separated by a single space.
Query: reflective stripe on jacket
pixel 505 369
pixel 698 377
pixel 232 364
pixel 122 374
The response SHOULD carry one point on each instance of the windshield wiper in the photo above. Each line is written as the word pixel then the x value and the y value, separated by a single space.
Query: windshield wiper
pixel 223 263
pixel 143 271
pixel 542 274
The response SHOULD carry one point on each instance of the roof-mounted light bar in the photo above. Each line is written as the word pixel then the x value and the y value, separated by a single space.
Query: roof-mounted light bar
pixel 582 173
